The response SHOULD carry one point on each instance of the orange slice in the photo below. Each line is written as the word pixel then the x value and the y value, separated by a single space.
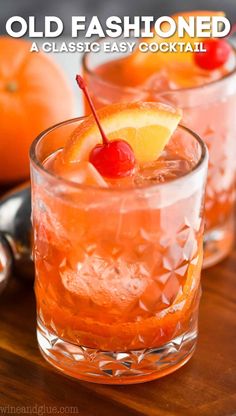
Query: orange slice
pixel 142 65
pixel 147 127
pixel 192 278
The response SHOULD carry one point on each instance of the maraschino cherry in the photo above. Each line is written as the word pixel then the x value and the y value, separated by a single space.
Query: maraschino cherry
pixel 217 54
pixel 112 158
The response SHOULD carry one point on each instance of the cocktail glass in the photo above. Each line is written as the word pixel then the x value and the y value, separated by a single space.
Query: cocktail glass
pixel 117 270
pixel 208 110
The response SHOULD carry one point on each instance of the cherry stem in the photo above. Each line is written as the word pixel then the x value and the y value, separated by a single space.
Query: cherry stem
pixel 82 85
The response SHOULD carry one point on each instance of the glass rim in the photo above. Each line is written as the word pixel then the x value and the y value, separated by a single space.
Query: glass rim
pixel 203 159
pixel 166 91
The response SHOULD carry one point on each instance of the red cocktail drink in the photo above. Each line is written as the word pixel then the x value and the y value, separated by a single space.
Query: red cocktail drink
pixel 118 261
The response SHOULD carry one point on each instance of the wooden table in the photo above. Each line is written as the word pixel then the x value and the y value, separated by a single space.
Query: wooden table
pixel 205 386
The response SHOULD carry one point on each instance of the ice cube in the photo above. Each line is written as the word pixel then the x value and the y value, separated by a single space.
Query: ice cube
pixel 160 82
pixel 107 283
pixel 83 173
pixel 161 171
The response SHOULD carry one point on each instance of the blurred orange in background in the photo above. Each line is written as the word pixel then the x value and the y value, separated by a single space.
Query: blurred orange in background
pixel 34 94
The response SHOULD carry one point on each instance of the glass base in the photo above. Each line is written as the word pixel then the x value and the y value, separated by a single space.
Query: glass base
pixel 218 243
pixel 105 367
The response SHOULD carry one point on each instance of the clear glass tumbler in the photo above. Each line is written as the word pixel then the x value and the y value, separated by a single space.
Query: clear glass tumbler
pixel 209 110
pixel 117 270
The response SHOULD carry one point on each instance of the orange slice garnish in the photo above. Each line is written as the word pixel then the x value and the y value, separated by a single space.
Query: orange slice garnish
pixel 147 127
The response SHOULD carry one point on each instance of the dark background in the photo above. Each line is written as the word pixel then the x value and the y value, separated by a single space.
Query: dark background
pixel 104 8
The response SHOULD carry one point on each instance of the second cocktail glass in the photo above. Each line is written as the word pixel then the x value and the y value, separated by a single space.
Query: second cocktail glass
pixel 207 109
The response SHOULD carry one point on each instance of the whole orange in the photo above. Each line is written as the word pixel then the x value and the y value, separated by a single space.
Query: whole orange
pixel 34 94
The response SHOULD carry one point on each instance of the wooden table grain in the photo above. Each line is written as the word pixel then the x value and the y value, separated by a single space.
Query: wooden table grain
pixel 206 386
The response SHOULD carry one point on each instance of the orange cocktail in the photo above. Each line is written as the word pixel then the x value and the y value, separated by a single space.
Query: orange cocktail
pixel 208 99
pixel 118 261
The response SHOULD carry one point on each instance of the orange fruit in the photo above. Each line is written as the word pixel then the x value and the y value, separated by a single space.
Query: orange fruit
pixel 34 95
pixel 147 127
